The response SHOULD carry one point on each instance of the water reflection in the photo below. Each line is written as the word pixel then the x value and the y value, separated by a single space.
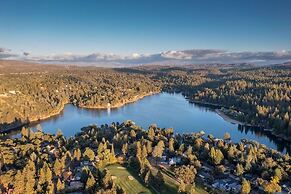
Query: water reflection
pixel 166 110
pixel 282 145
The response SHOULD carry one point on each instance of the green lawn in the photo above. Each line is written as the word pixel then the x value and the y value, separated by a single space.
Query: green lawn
pixel 130 186
pixel 199 189
pixel 137 186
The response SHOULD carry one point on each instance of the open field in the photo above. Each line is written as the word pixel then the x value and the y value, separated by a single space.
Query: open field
pixel 131 186
pixel 121 174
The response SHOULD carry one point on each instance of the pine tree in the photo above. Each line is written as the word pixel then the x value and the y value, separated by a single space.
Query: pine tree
pixel 132 134
pixel 125 149
pixel 101 148
pixel 159 149
pixel 189 151
pixel 144 152
pixel 182 187
pixel 239 170
pixel 171 145
pixel 59 133
pixel 89 154
pixel 272 186
pixel 50 189
pixel 112 150
pixel 216 155
pixel 58 167
pixel 112 158
pixel 278 173
pixel 19 182
pixel 106 180
pixel 245 187
pixel 77 154
pixel 29 178
pixel 149 147
pixel 138 149
pixel 226 136
pixel 45 175
pixel 24 133
pixel 60 186
pixel 90 184
pixel 192 190
pixel 68 158
pixel 151 134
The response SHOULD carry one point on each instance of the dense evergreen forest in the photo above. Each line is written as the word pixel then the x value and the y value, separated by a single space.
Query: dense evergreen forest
pixel 155 159
pixel 162 161
pixel 258 96
pixel 30 96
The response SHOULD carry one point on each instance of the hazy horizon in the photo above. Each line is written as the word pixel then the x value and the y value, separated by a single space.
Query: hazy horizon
pixel 145 32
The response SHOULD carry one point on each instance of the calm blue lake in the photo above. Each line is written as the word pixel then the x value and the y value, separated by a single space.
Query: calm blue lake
pixel 164 109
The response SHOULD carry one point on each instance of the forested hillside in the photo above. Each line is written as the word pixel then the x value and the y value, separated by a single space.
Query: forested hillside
pixel 37 95
pixel 257 96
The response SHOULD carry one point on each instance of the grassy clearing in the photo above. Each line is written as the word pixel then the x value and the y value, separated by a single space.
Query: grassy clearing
pixel 130 186
pixel 137 186
pixel 199 189
pixel 170 185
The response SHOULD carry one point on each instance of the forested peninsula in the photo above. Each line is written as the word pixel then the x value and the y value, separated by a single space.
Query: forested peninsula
pixel 254 95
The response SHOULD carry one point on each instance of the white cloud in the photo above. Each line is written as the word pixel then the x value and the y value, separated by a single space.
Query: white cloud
pixel 6 53
pixel 177 55
pixel 194 56
pixel 135 55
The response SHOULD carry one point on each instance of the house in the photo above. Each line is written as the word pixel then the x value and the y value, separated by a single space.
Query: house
pixel 234 177
pixel 77 176
pixel 174 160
pixel 85 163
pixel 204 175
pixel 207 168
pixel 88 164
pixel 228 185
pixel 221 185
pixel 235 187
pixel 286 188
pixel 164 158
pixel 12 92
pixel 75 186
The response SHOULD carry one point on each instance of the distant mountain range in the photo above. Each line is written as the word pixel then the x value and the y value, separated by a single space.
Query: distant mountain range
pixel 185 57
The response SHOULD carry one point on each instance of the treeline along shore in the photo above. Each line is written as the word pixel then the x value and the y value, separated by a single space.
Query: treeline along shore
pixel 123 157
pixel 18 123
pixel 255 96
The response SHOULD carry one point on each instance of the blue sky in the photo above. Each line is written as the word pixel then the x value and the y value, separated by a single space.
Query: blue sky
pixel 124 27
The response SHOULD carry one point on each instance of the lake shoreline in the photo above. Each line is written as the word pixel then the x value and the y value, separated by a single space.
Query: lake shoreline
pixel 56 112
pixel 228 118
pixel 118 105
pixel 215 107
